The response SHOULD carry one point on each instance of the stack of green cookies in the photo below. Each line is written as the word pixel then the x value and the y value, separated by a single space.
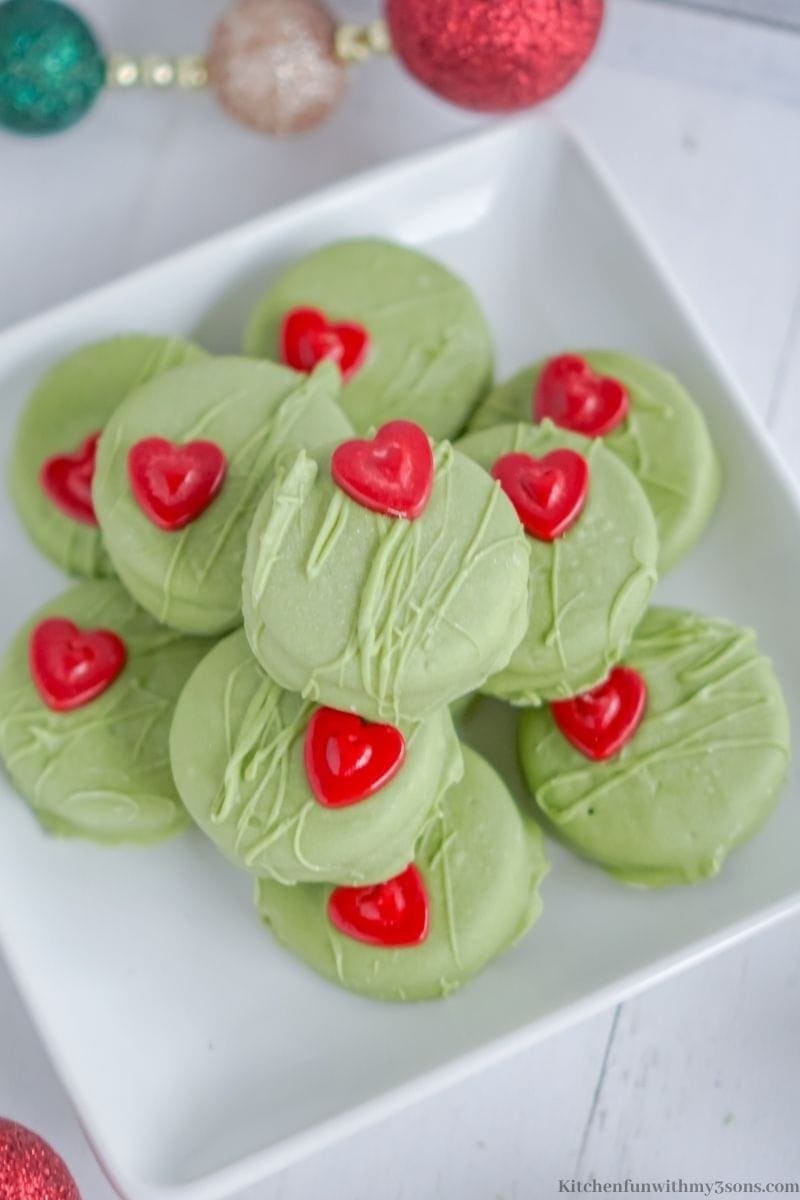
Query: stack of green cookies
pixel 293 579
pixel 653 742
pixel 314 745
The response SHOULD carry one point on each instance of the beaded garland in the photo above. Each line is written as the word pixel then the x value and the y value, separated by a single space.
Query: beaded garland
pixel 280 66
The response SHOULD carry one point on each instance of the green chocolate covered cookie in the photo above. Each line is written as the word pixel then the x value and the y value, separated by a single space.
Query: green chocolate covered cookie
pixel 190 577
pixel 99 769
pixel 384 616
pixel 480 862
pixel 590 585
pixel 664 440
pixel 697 778
pixel 238 748
pixel 53 455
pixel 429 352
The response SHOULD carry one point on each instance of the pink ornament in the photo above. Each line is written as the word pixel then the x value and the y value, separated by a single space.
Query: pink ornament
pixel 494 55
pixel 30 1169
pixel 272 65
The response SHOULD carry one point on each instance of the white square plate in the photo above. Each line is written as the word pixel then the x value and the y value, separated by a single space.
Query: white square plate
pixel 200 1056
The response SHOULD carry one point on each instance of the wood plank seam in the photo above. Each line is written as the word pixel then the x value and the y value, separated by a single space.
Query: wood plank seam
pixel 598 1089
pixel 790 346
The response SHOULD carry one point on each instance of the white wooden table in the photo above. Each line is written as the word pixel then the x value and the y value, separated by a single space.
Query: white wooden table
pixel 699 117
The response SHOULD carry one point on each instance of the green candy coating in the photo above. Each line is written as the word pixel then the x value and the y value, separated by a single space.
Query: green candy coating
pixel 481 862
pixel 237 748
pixel 102 771
pixel 460 707
pixel 74 400
pixel 700 775
pixel 191 578
pixel 51 67
pixel 386 617
pixel 430 356
pixel 664 440
pixel 589 587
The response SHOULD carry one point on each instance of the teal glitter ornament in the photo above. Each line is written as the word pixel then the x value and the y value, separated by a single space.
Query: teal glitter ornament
pixel 51 66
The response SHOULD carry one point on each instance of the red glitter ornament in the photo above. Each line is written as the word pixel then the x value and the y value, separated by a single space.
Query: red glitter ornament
pixel 494 55
pixel 30 1169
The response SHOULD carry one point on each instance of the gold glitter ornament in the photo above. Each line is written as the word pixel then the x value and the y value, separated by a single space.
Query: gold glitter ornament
pixel 272 64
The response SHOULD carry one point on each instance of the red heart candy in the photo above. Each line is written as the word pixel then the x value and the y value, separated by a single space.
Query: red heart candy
pixel 392 474
pixel 66 479
pixel 548 493
pixel 600 722
pixel 394 913
pixel 575 397
pixel 71 666
pixel 173 484
pixel 348 759
pixel 307 337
